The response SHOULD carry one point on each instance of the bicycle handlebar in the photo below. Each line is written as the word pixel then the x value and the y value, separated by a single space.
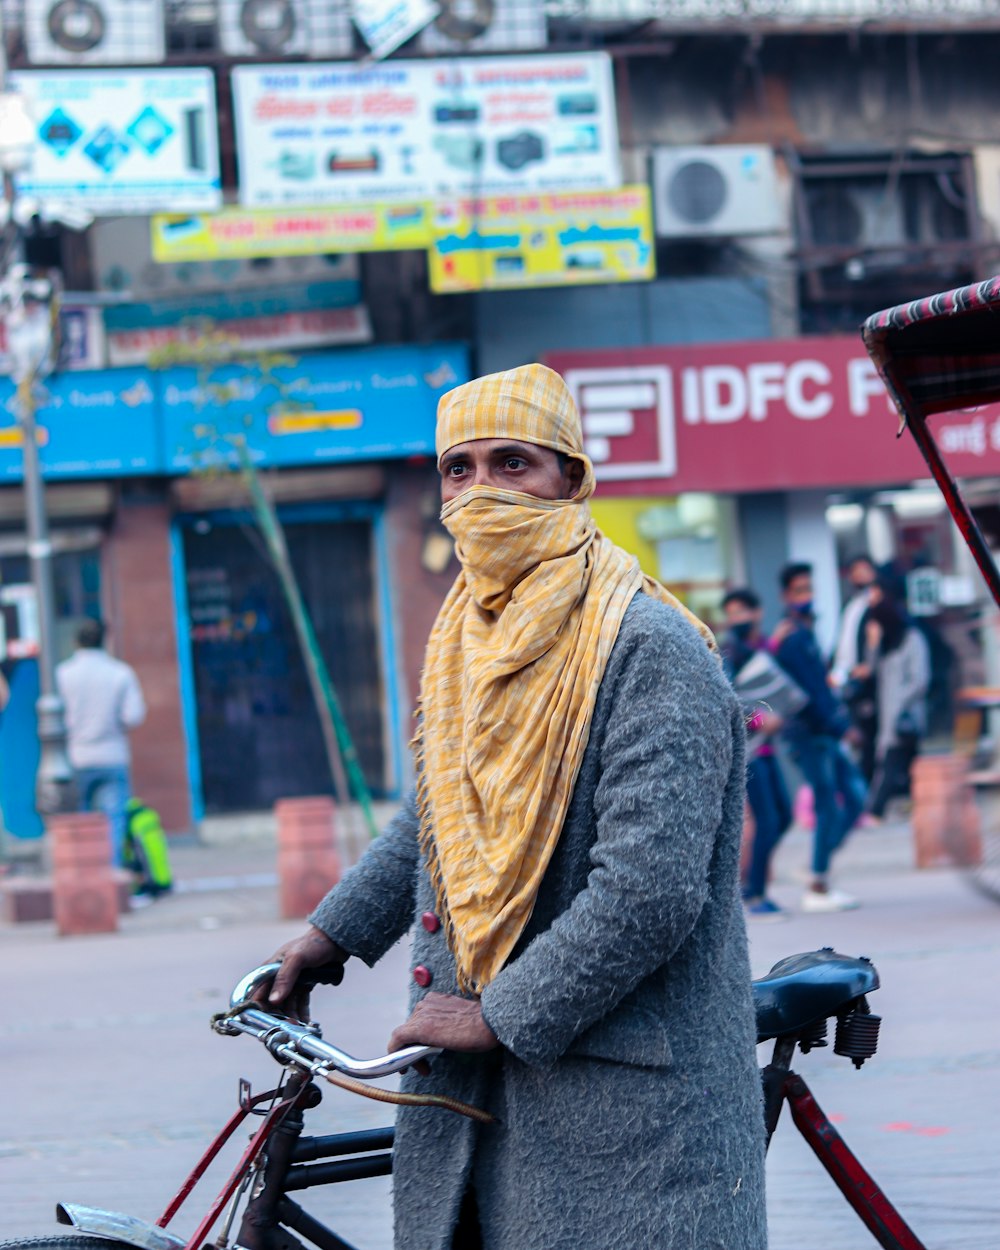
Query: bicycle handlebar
pixel 265 974
pixel 301 1044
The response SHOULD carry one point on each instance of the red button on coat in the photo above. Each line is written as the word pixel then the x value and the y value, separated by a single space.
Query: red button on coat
pixel 430 922
pixel 423 976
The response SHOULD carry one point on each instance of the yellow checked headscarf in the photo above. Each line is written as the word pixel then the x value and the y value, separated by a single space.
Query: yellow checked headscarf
pixel 513 667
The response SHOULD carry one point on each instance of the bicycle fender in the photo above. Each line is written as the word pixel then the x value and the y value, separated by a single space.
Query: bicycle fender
pixel 117 1226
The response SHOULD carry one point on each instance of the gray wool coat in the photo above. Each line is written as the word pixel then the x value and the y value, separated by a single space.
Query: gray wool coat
pixel 626 1086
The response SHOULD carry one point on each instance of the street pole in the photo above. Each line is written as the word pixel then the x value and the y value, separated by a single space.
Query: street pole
pixel 54 784
pixel 55 789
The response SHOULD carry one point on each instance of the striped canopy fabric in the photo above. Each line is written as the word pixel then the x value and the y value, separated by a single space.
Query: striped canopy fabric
pixel 942 352
pixel 935 355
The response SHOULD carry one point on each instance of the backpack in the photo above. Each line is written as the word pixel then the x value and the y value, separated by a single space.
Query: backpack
pixel 146 852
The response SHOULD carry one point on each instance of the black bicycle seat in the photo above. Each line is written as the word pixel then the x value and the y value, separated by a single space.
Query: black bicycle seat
pixel 804 989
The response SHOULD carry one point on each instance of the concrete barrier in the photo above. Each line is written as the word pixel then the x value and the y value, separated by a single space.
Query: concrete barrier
pixel 24 900
pixel 945 818
pixel 308 863
pixel 84 884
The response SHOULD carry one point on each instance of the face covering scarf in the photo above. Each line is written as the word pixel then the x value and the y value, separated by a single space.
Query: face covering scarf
pixel 513 668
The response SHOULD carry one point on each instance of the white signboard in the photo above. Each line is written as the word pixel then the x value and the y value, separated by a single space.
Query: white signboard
pixel 116 141
pixel 423 130
pixel 385 24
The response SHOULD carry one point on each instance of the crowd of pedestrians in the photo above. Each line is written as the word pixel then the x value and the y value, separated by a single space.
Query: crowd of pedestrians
pixel 850 724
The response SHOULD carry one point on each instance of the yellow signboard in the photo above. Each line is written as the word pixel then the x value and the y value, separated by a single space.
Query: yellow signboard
pixel 309 422
pixel 242 234
pixel 558 239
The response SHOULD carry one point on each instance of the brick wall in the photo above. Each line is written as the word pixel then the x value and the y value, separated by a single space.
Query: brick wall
pixel 139 607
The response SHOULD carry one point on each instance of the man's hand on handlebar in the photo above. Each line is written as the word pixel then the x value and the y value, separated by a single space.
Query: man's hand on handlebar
pixel 448 1022
pixel 311 951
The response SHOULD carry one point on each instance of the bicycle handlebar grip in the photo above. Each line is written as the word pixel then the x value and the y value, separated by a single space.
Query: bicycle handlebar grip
pixel 328 974
pixel 260 978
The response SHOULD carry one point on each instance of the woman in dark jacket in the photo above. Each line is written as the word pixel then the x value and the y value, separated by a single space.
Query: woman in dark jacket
pixel 899 660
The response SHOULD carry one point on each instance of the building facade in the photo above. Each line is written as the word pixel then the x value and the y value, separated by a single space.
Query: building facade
pixel 155 531
pixel 801 172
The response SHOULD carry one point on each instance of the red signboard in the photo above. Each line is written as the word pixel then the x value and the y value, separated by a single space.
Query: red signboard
pixel 781 414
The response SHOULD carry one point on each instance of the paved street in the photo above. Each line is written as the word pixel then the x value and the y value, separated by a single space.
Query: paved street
pixel 113 1080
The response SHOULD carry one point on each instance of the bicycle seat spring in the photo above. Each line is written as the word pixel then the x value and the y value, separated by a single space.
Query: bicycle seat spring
pixel 857 1034
pixel 813 1037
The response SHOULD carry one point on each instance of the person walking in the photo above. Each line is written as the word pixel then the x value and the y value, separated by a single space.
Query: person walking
pixel 814 739
pixel 570 858
pixel 762 688
pixel 851 677
pixel 899 662
pixel 103 701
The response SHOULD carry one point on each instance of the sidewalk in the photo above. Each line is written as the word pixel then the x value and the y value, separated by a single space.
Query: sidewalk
pixel 230 877
pixel 884 851
pixel 226 876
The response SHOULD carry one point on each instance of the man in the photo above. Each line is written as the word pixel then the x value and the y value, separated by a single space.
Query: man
pixel 814 738
pixel 848 672
pixel 572 855
pixel 103 702
pixel 767 793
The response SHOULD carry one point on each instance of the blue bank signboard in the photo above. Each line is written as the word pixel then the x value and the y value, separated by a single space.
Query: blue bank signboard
pixel 362 405
pixel 332 407
pixel 100 424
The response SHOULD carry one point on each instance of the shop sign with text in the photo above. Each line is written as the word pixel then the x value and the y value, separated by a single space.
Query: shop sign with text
pixel 320 327
pixel 100 424
pixel 406 131
pixel 116 142
pixel 370 404
pixel 747 416
pixel 556 239
pixel 243 234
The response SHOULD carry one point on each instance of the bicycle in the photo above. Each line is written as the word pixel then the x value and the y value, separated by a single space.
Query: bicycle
pixel 794 1003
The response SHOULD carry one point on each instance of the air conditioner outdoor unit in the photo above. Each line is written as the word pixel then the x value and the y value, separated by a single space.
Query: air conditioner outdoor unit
pixel 486 26
pixel 313 28
pixel 715 191
pixel 94 32
pixel 867 216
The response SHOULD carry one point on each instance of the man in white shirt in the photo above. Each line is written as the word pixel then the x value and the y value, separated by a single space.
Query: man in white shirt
pixel 848 655
pixel 103 702
pixel 847 671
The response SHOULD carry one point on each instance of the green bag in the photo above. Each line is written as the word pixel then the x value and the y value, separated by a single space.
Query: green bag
pixel 146 852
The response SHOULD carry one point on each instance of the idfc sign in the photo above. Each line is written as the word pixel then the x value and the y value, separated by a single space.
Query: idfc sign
pixel 749 416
